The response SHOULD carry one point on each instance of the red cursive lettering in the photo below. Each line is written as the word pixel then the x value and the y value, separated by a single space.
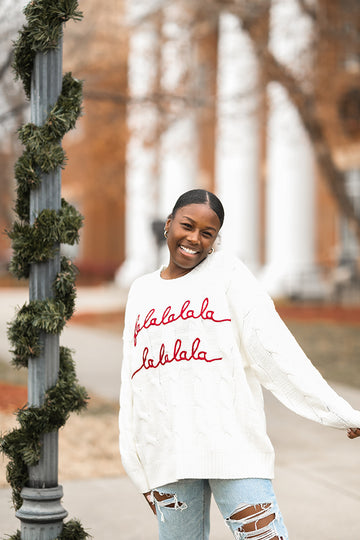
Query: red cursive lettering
pixel 167 317
pixel 178 355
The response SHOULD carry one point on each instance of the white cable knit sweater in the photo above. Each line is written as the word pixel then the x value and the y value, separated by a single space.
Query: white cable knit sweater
pixel 196 351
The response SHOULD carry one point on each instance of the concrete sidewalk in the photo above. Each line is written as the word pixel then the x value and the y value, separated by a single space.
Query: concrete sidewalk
pixel 317 473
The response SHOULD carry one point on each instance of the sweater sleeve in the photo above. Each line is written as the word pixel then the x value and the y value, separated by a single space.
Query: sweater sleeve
pixel 280 364
pixel 128 452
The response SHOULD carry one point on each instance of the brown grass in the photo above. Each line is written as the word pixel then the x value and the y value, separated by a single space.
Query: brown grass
pixel 88 443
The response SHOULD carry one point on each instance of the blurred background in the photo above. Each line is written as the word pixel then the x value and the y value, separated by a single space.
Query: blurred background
pixel 257 101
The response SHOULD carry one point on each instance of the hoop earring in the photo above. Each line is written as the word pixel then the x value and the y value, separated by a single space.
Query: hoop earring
pixel 211 251
pixel 165 233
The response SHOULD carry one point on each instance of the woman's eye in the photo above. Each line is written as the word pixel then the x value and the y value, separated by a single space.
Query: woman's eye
pixel 186 225
pixel 207 234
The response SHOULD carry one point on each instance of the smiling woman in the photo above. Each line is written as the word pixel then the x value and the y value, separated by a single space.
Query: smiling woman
pixel 200 339
pixel 191 231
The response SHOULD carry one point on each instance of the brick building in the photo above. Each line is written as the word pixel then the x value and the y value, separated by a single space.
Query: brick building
pixel 175 98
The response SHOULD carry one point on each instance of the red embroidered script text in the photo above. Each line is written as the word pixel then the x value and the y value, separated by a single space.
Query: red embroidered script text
pixel 169 317
pixel 178 354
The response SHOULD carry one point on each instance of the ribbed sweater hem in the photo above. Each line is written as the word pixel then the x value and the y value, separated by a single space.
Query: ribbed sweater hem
pixel 208 466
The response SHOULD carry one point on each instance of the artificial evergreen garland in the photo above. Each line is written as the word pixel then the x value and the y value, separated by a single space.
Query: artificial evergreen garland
pixel 42 33
pixel 72 530
pixel 42 150
pixel 37 243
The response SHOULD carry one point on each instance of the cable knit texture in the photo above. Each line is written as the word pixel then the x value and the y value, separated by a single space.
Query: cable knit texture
pixel 196 351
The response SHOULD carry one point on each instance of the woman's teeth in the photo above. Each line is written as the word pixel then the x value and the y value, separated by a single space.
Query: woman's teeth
pixel 187 250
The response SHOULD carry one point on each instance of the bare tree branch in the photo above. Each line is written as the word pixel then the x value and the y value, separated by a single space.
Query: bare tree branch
pixel 305 103
pixel 310 10
pixel 306 107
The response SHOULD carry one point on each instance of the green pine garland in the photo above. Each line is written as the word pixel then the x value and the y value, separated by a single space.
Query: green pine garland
pixel 43 316
pixel 42 150
pixel 37 243
pixel 42 33
pixel 71 530
pixel 22 445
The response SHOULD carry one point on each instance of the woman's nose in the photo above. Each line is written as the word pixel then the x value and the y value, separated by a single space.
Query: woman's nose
pixel 193 236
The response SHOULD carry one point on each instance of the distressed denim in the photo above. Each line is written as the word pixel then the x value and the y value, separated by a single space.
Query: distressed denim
pixel 248 506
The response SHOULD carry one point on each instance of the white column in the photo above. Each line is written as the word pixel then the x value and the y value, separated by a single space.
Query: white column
pixel 178 163
pixel 238 141
pixel 141 149
pixel 290 203
pixel 178 144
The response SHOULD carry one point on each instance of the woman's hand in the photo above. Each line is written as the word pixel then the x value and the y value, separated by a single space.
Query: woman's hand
pixel 150 501
pixel 352 433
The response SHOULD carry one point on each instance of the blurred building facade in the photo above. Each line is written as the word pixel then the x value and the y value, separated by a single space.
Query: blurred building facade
pixel 95 50
pixel 175 98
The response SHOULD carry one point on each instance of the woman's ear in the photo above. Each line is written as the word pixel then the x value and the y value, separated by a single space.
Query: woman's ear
pixel 167 224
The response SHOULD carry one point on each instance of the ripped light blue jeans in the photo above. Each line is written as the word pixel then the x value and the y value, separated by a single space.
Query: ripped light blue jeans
pixel 248 506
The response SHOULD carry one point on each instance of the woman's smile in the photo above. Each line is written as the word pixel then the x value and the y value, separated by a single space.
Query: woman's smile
pixel 191 233
pixel 188 250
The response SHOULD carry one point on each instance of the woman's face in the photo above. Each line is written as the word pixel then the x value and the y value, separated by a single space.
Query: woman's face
pixel 192 232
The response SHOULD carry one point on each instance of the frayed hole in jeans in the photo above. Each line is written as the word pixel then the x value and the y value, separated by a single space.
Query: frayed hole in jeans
pixel 167 500
pixel 254 522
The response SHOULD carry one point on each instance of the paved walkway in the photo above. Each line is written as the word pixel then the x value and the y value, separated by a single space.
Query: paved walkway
pixel 317 474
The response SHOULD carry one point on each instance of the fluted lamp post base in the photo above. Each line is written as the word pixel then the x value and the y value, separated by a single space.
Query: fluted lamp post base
pixel 41 514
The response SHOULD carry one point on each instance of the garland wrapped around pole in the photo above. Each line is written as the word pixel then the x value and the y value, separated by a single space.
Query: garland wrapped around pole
pixel 36 237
